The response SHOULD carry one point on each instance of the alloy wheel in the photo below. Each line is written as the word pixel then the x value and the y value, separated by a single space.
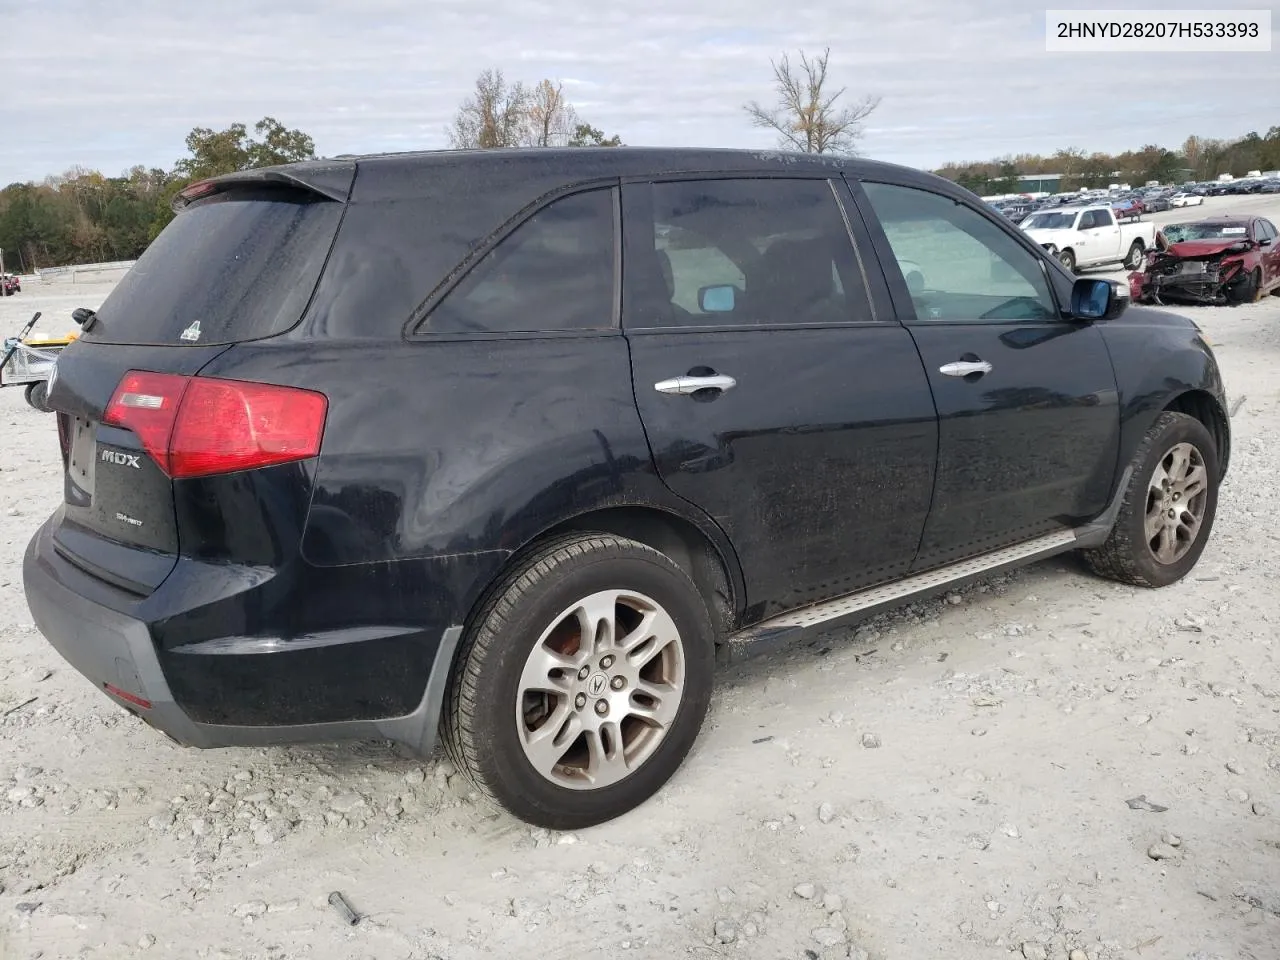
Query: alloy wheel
pixel 1176 499
pixel 600 690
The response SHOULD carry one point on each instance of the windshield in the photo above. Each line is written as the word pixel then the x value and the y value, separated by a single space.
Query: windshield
pixel 1050 221
pixel 237 266
pixel 1177 232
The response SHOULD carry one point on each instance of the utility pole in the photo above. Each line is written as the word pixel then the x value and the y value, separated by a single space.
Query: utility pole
pixel 1 259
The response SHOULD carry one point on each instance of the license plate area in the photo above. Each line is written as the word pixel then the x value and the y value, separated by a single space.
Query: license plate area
pixel 81 463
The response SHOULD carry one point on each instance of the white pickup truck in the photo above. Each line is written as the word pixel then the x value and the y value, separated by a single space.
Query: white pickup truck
pixel 1090 236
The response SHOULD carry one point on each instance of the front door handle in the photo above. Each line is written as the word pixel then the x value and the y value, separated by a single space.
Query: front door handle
pixel 964 368
pixel 687 385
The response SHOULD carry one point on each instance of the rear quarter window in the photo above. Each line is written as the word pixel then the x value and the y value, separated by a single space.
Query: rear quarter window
pixel 240 265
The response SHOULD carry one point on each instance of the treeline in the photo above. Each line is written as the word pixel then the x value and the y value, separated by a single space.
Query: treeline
pixel 1196 159
pixel 83 216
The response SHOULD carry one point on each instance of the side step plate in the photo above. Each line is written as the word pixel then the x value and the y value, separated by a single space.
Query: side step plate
pixel 787 627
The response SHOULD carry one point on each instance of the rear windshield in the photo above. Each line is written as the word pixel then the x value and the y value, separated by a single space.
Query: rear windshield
pixel 1049 221
pixel 240 265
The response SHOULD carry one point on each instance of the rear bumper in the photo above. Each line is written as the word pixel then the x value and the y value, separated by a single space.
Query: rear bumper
pixel 93 628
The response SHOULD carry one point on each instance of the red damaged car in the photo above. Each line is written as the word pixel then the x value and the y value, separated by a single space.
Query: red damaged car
pixel 1215 261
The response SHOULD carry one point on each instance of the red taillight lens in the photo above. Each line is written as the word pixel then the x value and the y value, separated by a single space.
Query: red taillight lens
pixel 198 426
pixel 147 404
pixel 229 425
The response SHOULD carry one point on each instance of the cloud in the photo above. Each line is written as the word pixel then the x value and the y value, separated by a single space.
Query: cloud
pixel 107 86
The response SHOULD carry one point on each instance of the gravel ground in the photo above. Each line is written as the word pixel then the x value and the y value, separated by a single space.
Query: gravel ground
pixel 1045 765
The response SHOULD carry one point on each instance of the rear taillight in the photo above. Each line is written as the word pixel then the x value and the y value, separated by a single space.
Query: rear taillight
pixel 198 426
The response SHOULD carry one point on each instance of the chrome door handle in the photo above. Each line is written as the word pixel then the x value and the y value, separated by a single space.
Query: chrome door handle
pixel 687 385
pixel 962 368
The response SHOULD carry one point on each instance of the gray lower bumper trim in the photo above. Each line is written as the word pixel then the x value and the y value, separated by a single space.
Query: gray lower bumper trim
pixel 111 647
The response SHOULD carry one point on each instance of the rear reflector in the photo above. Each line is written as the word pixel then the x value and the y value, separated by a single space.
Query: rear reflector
pixel 127 697
pixel 199 426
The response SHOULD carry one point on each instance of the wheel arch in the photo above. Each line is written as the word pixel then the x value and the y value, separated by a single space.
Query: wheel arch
pixel 1202 405
pixel 712 567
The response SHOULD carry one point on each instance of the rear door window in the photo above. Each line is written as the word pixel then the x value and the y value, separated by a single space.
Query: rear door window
pixel 745 252
pixel 554 272
pixel 240 265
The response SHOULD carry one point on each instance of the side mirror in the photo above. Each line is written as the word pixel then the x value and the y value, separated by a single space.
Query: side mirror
pixel 1265 242
pixel 717 299
pixel 1096 300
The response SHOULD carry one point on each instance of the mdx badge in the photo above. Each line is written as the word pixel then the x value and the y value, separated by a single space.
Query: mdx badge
pixel 121 459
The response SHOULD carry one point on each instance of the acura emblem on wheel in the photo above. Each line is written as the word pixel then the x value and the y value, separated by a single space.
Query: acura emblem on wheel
pixel 597 684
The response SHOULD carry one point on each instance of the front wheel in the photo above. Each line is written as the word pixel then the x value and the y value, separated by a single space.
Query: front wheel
pixel 1168 507
pixel 582 682
pixel 1247 289
pixel 1067 259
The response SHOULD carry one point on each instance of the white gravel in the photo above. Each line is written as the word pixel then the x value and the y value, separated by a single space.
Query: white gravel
pixel 991 821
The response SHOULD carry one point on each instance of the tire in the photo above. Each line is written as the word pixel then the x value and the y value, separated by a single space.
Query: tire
pixel 37 395
pixel 528 625
pixel 1128 554
pixel 1247 289
pixel 1068 260
pixel 1134 258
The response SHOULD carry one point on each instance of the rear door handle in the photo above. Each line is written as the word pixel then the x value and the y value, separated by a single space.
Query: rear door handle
pixel 963 368
pixel 687 385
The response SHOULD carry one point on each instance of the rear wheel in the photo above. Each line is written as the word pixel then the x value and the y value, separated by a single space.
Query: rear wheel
pixel 1134 258
pixel 582 683
pixel 1168 507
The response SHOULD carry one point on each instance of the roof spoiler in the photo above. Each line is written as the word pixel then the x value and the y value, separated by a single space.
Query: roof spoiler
pixel 327 178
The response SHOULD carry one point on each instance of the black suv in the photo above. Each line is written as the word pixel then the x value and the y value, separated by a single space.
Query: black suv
pixel 512 443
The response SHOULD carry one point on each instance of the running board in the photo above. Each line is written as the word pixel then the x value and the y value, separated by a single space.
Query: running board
pixel 788 627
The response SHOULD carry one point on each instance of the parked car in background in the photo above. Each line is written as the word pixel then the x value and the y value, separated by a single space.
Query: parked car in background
pixel 1157 204
pixel 1213 261
pixel 1186 200
pixel 1016 211
pixel 277 525
pixel 1090 237
pixel 1130 208
pixel 1271 186
pixel 10 284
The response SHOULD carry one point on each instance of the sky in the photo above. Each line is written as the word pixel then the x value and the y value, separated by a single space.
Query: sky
pixel 108 85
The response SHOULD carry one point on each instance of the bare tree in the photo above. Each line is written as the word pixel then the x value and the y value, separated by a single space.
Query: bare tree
pixel 806 116
pixel 495 115
pixel 551 119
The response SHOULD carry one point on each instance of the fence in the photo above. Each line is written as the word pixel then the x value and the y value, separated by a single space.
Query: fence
pixel 86 272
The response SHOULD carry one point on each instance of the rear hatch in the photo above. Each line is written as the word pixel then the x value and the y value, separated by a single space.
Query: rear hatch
pixel 239 262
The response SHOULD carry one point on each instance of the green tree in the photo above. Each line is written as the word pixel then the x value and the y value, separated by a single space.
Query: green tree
pixel 585 135
pixel 213 153
pixel 216 152
pixel 1008 179
pixel 277 144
